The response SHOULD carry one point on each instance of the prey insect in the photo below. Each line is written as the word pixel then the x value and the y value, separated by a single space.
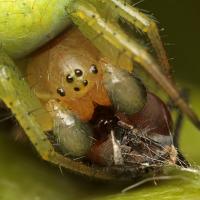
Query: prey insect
pixel 88 97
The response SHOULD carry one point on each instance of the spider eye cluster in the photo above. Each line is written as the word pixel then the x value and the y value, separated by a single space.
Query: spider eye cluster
pixel 77 74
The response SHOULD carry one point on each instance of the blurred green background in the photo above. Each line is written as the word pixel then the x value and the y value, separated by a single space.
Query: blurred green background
pixel 23 175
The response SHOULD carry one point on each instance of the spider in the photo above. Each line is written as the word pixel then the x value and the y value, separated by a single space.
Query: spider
pixel 24 28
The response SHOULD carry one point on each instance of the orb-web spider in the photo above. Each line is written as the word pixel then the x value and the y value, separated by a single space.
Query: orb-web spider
pixel 27 25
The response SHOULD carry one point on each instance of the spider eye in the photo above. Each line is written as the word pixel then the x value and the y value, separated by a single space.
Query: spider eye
pixel 69 78
pixel 85 82
pixel 78 72
pixel 76 89
pixel 94 69
pixel 61 92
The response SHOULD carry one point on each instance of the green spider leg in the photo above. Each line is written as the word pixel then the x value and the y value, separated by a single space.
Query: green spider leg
pixel 144 24
pixel 17 96
pixel 112 41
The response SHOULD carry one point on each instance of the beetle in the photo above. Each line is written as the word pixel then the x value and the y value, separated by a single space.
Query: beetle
pixel 32 29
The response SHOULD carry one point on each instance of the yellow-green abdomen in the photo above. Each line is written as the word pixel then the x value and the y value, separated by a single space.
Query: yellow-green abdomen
pixel 27 24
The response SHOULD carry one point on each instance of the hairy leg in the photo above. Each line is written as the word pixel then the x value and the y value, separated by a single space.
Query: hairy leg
pixel 111 40
pixel 178 127
pixel 144 24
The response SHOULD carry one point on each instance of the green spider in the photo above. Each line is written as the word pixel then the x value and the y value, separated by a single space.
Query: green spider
pixel 26 25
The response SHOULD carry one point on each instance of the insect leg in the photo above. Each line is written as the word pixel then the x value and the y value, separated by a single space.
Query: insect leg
pixel 17 96
pixel 112 41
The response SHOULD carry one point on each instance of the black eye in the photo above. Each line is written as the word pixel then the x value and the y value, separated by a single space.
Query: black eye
pixel 85 82
pixel 78 72
pixel 61 92
pixel 76 89
pixel 69 78
pixel 93 69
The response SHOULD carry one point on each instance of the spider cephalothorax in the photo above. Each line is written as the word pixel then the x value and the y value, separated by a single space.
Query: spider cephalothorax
pixel 73 71
pixel 69 70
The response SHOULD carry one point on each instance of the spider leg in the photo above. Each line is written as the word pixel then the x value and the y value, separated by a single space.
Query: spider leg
pixel 177 129
pixel 144 24
pixel 111 40
pixel 179 118
pixel 17 96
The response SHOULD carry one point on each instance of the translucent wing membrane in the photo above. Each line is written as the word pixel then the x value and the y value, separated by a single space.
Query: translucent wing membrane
pixel 123 51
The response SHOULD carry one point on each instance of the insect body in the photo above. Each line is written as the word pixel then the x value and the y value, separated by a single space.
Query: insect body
pixel 144 138
pixel 72 82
